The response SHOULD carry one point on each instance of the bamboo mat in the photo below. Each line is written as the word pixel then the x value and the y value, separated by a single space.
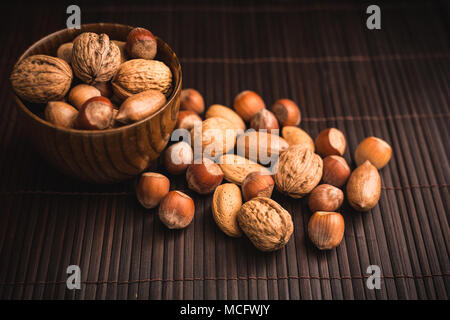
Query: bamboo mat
pixel 392 83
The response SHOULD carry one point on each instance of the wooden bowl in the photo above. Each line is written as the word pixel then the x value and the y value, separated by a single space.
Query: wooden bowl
pixel 103 156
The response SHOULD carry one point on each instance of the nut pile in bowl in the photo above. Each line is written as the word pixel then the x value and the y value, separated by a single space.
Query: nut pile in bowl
pixel 95 82
pixel 304 168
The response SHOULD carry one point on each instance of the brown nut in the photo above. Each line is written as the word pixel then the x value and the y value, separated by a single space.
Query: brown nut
pixel 65 52
pixel 268 225
pixel 295 135
pixel 187 119
pixel 364 187
pixel 326 229
pixel 139 75
pixel 287 112
pixel 218 110
pixel 60 114
pixel 226 203
pixel 260 146
pixel 247 104
pixel 257 184
pixel 151 189
pixel 105 89
pixel 325 197
pixel 330 141
pixel 191 99
pixel 204 177
pixel 214 137
pixel 41 78
pixel 298 171
pixel 94 58
pixel 176 210
pixel 377 151
pixel 335 171
pixel 178 157
pixel 141 44
pixel 122 48
pixel 81 93
pixel 235 168
pixel 140 106
pixel 264 119
pixel 95 114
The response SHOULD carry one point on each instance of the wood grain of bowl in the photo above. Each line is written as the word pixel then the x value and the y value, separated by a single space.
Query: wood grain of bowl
pixel 103 156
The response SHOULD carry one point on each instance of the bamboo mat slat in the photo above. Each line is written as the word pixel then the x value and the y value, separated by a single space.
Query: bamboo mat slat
pixel 392 83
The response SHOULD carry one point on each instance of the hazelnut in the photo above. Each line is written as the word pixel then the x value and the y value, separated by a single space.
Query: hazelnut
pixel 105 89
pixel 335 170
pixel 247 104
pixel 187 119
pixel 287 112
pixel 191 99
pixel 122 45
pixel 257 184
pixel 95 114
pixel 204 177
pixel 151 189
pixel 330 141
pixel 264 119
pixel 364 187
pixel 60 114
pixel 377 151
pixel 178 157
pixel 81 93
pixel 65 52
pixel 326 229
pixel 176 210
pixel 141 44
pixel 325 197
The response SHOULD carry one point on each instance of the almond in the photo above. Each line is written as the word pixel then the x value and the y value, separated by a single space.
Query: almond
pixel 227 202
pixel 218 110
pixel 235 168
pixel 364 187
pixel 294 135
pixel 260 146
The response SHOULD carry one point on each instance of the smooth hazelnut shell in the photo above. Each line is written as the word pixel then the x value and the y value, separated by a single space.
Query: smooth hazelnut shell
pixel 60 114
pixel 335 170
pixel 187 119
pixel 204 177
pixel 287 112
pixel 247 104
pixel 151 189
pixel 141 44
pixel 81 93
pixel 65 52
pixel 364 187
pixel 326 229
pixel 105 89
pixel 325 197
pixel 330 141
pixel 178 157
pixel 264 119
pixel 191 99
pixel 257 184
pixel 176 210
pixel 96 114
pixel 374 149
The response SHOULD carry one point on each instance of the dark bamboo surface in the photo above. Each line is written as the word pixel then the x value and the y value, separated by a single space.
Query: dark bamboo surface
pixel 392 83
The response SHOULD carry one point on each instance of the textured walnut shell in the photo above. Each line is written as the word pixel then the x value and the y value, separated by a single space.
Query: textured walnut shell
pixel 41 78
pixel 139 75
pixel 266 223
pixel 95 58
pixel 298 171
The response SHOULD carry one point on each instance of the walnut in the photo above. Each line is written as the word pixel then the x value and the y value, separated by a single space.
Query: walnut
pixel 41 78
pixel 95 58
pixel 266 223
pixel 298 171
pixel 139 75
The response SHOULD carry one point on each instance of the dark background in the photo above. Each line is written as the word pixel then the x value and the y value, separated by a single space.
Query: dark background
pixel 392 83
